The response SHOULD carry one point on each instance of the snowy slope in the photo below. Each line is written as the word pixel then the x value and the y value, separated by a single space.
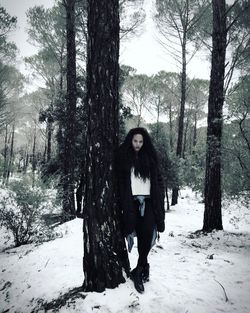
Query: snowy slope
pixel 188 274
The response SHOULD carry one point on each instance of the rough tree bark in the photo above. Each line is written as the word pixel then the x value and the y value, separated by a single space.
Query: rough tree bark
pixel 105 252
pixel 70 115
pixel 212 213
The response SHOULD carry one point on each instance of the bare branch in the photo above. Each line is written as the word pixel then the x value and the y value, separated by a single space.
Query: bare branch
pixel 226 298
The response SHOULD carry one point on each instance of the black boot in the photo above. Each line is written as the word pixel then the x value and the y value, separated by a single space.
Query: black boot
pixel 145 273
pixel 136 276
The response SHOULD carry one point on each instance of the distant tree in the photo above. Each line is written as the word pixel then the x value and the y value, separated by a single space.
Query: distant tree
pixel 56 64
pixel 69 145
pixel 236 139
pixel 238 40
pixel 159 133
pixel 165 99
pixel 7 24
pixel 136 93
pixel 8 73
pixel 197 97
pixel 104 247
pixel 47 30
pixel 132 16
pixel 178 21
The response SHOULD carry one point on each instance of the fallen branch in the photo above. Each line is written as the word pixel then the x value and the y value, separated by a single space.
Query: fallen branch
pixel 226 298
pixel 46 263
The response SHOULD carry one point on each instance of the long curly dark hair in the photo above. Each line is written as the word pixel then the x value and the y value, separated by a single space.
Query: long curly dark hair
pixel 146 157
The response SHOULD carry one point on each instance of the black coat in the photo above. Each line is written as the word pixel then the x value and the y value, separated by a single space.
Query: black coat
pixel 125 197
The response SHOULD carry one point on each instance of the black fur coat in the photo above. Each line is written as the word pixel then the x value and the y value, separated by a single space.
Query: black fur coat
pixel 125 197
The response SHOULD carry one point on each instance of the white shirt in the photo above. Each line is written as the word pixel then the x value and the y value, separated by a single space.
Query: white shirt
pixel 138 185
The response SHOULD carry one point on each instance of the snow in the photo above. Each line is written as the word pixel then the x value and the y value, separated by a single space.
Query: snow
pixel 187 273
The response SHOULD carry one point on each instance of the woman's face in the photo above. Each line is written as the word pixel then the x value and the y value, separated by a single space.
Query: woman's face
pixel 137 142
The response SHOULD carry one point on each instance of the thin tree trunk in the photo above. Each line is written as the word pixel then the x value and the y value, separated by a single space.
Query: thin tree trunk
pixel 11 155
pixel 171 129
pixel 61 67
pixel 181 114
pixel 49 129
pixel 158 118
pixel 195 132
pixel 185 138
pixel 104 247
pixel 34 159
pixel 45 152
pixel 26 160
pixel 68 157
pixel 166 192
pixel 5 153
pixel 139 117
pixel 212 213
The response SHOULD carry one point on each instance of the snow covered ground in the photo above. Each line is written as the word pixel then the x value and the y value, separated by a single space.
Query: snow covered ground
pixel 189 274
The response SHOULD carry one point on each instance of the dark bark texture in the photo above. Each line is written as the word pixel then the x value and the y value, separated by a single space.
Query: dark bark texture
pixel 70 118
pixel 212 214
pixel 104 246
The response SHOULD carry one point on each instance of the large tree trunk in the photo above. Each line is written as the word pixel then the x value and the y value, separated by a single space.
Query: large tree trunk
pixel 181 114
pixel 68 158
pixel 104 246
pixel 212 214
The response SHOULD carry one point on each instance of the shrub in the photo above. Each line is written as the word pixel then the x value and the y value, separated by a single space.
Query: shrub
pixel 21 211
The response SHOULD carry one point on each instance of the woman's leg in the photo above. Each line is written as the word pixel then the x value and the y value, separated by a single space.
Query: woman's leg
pixel 144 230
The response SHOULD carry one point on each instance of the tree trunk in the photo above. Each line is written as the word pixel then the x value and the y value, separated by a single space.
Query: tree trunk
pixel 166 192
pixel 181 114
pixel 68 158
pixel 139 116
pixel 5 153
pixel 104 246
pixel 34 159
pixel 158 118
pixel 171 129
pixel 26 160
pixel 11 155
pixel 212 213
pixel 49 125
pixel 195 133
pixel 184 149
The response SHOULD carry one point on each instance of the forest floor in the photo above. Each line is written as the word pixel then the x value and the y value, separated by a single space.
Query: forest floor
pixel 189 273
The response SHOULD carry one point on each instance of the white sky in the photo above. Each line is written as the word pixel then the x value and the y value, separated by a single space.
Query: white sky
pixel 18 8
pixel 143 53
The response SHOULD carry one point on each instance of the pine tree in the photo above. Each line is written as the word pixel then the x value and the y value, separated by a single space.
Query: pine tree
pixel 104 247
pixel 212 214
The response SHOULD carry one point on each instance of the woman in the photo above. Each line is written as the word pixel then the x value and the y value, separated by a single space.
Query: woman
pixel 141 197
